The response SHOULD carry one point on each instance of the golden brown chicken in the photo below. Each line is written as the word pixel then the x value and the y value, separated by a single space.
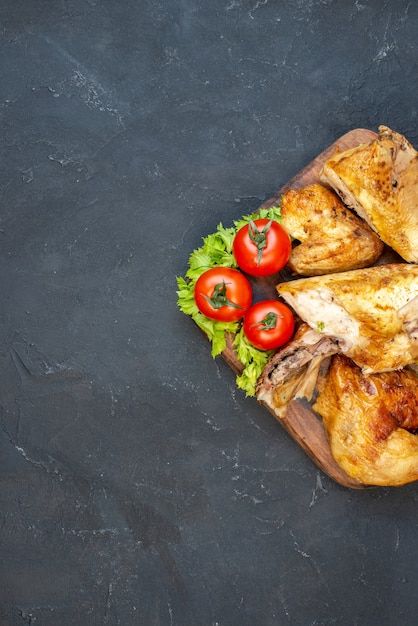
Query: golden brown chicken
pixel 367 421
pixel 333 239
pixel 379 181
pixel 371 313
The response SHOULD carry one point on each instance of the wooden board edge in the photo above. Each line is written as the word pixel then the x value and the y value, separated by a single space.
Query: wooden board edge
pixel 305 427
pixel 309 174
pixel 311 437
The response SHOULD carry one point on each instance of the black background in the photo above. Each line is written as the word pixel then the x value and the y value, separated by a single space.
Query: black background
pixel 138 485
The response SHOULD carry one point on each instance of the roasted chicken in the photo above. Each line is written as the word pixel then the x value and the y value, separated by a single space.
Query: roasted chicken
pixel 332 238
pixel 372 313
pixel 368 420
pixel 379 180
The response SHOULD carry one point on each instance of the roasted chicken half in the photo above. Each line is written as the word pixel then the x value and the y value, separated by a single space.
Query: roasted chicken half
pixel 332 238
pixel 379 180
pixel 368 420
pixel 371 313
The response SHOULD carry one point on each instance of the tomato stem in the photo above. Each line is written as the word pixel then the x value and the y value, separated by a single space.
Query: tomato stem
pixel 219 298
pixel 259 237
pixel 269 322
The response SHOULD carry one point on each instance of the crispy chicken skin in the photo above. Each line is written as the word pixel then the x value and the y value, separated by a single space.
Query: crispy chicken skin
pixel 379 180
pixel 367 420
pixel 371 313
pixel 332 238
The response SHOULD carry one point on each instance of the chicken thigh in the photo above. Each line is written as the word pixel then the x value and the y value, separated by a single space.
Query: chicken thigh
pixel 368 422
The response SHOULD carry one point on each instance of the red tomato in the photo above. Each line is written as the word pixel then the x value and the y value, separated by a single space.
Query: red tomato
pixel 269 324
pixel 223 294
pixel 262 247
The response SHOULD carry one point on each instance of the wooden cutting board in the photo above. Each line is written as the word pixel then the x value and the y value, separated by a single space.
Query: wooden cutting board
pixel 303 424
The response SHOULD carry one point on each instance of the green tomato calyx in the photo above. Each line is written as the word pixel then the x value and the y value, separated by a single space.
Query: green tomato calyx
pixel 259 237
pixel 219 298
pixel 269 322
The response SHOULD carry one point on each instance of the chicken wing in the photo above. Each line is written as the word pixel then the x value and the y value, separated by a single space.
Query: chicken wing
pixel 367 421
pixel 333 239
pixel 379 181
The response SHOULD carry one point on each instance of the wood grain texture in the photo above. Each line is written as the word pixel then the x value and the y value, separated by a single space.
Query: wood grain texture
pixel 303 424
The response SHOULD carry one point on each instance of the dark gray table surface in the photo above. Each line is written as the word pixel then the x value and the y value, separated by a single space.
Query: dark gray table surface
pixel 138 485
